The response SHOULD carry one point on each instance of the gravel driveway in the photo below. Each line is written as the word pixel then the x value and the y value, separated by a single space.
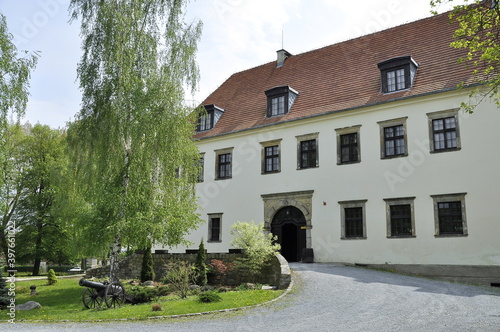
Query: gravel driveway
pixel 332 297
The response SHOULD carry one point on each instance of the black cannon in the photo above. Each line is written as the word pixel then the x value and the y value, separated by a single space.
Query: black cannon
pixel 95 293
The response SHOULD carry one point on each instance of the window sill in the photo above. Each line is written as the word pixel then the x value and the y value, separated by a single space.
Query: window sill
pixel 450 235
pixel 214 241
pixel 354 238
pixel 395 91
pixel 445 150
pixel 349 163
pixel 402 237
pixel 273 172
pixel 312 167
pixel 395 156
pixel 228 178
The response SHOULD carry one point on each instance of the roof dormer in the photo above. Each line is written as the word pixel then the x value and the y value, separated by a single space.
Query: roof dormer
pixel 209 117
pixel 280 100
pixel 397 74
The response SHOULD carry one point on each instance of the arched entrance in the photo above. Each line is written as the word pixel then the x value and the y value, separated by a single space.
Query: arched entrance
pixel 289 225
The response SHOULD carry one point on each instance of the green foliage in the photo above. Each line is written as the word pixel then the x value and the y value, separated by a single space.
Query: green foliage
pixel 209 297
pixel 14 76
pixel 258 247
pixel 201 266
pixel 147 270
pixel 142 294
pixel 64 302
pixel 477 33
pixel 180 275
pixel 134 130
pixel 51 277
pixel 32 189
pixel 4 298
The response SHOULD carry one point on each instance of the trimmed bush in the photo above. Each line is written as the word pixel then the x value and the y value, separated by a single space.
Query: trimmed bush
pixel 141 294
pixel 147 270
pixel 201 266
pixel 209 296
pixel 51 277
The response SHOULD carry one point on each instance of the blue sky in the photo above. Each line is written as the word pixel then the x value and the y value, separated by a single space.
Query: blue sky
pixel 237 35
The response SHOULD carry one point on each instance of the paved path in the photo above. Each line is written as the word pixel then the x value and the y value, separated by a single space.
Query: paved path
pixel 331 297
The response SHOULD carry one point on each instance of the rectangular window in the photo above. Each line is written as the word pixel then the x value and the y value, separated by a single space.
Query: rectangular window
pixel 450 218
pixel 349 148
pixel 214 227
pixel 201 168
pixel 449 215
pixel 278 106
pixel 396 80
pixel 224 166
pixel 206 121
pixel 270 156
pixel 352 215
pixel 401 220
pixel 400 217
pixel 394 141
pixel 393 138
pixel 223 163
pixel 445 133
pixel 272 159
pixel 308 154
pixel 353 222
pixel 348 145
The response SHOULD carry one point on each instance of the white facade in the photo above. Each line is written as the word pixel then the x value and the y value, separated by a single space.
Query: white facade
pixel 471 170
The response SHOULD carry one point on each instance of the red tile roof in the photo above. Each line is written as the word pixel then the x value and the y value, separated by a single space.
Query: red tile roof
pixel 342 76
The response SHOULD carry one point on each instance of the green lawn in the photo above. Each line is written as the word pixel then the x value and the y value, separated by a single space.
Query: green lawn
pixel 63 301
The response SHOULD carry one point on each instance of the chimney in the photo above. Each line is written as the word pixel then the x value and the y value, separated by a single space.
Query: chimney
pixel 282 56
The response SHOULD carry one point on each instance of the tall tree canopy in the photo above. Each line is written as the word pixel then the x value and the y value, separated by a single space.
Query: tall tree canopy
pixel 131 141
pixel 30 190
pixel 14 75
pixel 478 32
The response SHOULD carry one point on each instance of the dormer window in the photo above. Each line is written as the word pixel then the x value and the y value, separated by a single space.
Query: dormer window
pixel 208 119
pixel 280 100
pixel 397 73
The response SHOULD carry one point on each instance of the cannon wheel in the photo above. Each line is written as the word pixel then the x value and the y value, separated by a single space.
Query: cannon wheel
pixel 114 296
pixel 91 298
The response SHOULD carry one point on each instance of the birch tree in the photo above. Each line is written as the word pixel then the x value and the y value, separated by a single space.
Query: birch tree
pixel 135 161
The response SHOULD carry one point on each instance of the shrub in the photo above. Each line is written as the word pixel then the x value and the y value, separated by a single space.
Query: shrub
pixel 4 298
pixel 147 270
pixel 201 266
pixel 258 247
pixel 141 294
pixel 180 275
pixel 220 269
pixel 51 277
pixel 209 296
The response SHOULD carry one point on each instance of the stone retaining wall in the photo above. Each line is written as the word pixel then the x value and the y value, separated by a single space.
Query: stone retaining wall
pixel 277 273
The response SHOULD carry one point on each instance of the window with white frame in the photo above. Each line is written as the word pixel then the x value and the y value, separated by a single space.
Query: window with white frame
pixel 397 74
